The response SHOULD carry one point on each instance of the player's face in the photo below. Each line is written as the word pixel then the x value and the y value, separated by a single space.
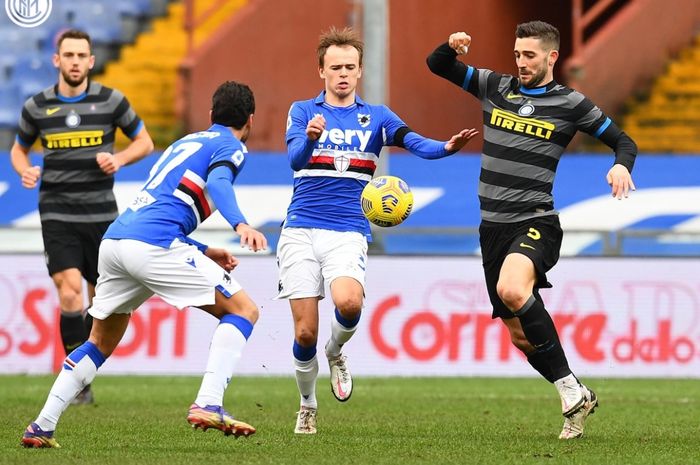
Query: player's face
pixel 74 61
pixel 341 70
pixel 535 63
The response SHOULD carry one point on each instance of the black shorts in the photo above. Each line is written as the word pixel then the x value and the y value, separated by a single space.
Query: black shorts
pixel 539 239
pixel 73 245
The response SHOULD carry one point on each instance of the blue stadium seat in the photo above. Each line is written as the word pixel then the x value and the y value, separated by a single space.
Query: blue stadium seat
pixel 33 73
pixel 10 105
pixel 97 18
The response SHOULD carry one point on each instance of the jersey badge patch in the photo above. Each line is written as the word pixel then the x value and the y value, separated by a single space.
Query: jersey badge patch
pixel 363 119
pixel 341 163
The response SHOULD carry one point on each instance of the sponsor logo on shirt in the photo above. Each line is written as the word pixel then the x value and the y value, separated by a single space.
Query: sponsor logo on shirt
pixel 518 124
pixel 74 139
pixel 356 139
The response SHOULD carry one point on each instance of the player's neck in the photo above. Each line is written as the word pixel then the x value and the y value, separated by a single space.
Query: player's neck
pixel 67 90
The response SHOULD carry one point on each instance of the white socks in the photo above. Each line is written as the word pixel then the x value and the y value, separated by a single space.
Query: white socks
pixel 79 369
pixel 306 374
pixel 225 351
pixel 339 336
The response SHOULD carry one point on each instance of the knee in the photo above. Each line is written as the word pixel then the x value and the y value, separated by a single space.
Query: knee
pixel 70 297
pixel 514 297
pixel 251 314
pixel 349 306
pixel 306 336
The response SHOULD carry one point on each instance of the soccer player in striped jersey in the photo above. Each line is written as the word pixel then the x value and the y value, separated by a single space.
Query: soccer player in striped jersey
pixel 333 142
pixel 147 251
pixel 76 120
pixel 529 119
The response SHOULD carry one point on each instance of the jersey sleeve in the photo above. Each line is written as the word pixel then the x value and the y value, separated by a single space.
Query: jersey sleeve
pixel 591 120
pixel 28 130
pixel 124 115
pixel 299 146
pixel 230 155
pixel 391 123
pixel 444 63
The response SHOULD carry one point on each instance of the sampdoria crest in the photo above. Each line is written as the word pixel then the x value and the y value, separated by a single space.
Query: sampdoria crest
pixel 363 119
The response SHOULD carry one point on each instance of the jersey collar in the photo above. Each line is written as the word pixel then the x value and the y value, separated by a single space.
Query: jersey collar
pixel 531 92
pixel 321 99
pixel 74 99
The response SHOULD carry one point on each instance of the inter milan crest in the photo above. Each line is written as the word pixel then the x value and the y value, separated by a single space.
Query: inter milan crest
pixel 72 119
pixel 28 13
pixel 526 110
pixel 363 119
pixel 341 163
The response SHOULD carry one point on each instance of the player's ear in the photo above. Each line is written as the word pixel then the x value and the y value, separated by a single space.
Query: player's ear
pixel 210 120
pixel 553 56
pixel 91 63
pixel 56 60
pixel 321 73
pixel 359 72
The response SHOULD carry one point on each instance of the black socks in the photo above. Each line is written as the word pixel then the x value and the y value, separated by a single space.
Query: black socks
pixel 73 332
pixel 548 358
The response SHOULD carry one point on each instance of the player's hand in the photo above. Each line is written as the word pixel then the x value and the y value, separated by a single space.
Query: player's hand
pixel 620 179
pixel 458 141
pixel 222 257
pixel 460 42
pixel 30 176
pixel 253 239
pixel 108 163
pixel 315 127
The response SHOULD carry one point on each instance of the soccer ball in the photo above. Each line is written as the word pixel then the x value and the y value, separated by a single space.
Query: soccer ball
pixel 387 201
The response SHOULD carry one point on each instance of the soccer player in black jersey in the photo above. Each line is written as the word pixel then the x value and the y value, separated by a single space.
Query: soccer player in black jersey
pixel 76 119
pixel 529 119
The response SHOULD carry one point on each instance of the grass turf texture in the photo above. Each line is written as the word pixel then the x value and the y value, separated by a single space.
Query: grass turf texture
pixel 141 420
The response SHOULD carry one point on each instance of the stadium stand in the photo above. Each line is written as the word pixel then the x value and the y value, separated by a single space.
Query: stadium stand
pixel 669 119
pixel 151 84
pixel 25 65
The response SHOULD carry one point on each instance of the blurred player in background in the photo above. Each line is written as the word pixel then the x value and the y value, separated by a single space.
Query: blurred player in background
pixel 529 120
pixel 333 143
pixel 147 251
pixel 76 121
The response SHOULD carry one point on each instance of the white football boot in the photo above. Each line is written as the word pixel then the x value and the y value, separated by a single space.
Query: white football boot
pixel 306 421
pixel 575 418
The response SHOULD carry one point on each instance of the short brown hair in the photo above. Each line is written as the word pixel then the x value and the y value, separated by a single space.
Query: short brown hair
pixel 548 34
pixel 73 34
pixel 346 36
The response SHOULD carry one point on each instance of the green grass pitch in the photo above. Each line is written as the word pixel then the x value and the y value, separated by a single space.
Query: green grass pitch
pixel 141 420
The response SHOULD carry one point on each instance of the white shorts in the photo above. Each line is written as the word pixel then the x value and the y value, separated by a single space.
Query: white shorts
pixel 132 271
pixel 308 258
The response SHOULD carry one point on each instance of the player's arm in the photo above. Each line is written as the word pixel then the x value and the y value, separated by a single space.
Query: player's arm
pixel 594 122
pixel 302 136
pixel 140 146
pixel 129 122
pixel 400 135
pixel 220 186
pixel 443 61
pixel 19 153
pixel 431 149
pixel 620 175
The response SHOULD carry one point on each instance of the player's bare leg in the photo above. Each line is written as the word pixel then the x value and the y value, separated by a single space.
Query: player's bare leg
pixel 347 295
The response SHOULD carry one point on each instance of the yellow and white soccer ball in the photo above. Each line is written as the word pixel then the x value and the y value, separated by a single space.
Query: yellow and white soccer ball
pixel 387 201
